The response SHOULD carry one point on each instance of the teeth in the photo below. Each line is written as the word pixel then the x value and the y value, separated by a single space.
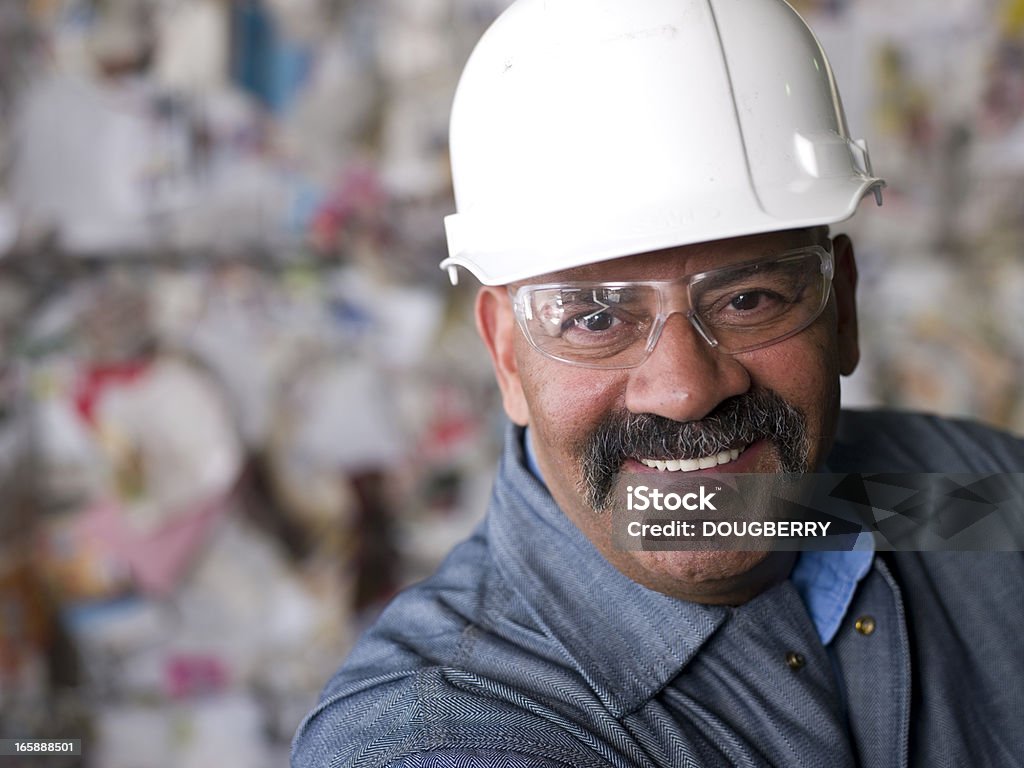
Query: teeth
pixel 690 465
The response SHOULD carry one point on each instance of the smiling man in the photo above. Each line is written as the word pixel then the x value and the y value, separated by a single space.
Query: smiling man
pixel 645 190
pixel 683 356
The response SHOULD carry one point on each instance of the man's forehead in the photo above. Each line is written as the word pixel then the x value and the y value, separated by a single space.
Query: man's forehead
pixel 672 263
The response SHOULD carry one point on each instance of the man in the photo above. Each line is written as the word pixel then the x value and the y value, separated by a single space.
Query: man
pixel 644 189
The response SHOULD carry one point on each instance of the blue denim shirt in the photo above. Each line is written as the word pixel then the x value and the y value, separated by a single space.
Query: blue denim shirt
pixel 527 648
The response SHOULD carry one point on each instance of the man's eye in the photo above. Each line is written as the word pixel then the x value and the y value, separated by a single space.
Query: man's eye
pixel 595 321
pixel 747 302
pixel 753 306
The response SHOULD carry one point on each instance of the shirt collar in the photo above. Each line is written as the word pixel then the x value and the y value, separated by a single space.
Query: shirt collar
pixel 827 582
pixel 627 640
pixel 531 457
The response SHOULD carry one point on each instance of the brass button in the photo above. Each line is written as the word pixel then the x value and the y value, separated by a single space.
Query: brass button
pixel 795 660
pixel 865 625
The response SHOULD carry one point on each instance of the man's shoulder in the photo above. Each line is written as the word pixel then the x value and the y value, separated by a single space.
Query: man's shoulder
pixel 895 441
pixel 433 717
pixel 454 672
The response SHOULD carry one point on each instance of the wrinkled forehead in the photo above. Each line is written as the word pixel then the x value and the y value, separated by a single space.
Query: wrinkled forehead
pixel 672 263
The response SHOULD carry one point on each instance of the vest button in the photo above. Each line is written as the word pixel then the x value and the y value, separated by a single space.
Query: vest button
pixel 865 625
pixel 795 660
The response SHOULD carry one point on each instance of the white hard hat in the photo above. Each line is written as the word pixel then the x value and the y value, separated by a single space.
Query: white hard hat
pixel 585 130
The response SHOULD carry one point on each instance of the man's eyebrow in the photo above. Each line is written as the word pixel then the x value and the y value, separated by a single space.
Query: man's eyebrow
pixel 725 276
pixel 622 287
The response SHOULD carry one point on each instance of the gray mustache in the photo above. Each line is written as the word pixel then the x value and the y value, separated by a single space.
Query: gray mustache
pixel 758 415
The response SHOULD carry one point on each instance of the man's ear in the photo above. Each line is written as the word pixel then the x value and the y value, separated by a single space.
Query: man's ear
pixel 844 285
pixel 496 323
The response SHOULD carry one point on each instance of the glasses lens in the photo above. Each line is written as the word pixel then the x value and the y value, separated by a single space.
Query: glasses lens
pixel 755 305
pixel 603 326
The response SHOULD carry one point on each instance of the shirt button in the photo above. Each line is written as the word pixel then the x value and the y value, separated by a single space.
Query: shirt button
pixel 795 660
pixel 865 625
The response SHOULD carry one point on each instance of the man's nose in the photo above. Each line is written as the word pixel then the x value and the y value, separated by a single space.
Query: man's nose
pixel 684 378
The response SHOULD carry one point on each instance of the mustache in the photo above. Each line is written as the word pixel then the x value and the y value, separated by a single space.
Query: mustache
pixel 737 422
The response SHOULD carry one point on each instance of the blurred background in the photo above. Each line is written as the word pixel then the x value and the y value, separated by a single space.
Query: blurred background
pixel 240 405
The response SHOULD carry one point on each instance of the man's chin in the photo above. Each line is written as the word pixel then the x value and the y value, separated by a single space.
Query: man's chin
pixel 712 577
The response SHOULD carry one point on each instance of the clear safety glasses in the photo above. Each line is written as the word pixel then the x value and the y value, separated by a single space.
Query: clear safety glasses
pixel 735 309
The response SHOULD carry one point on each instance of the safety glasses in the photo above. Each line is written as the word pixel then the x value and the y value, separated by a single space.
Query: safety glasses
pixel 739 308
